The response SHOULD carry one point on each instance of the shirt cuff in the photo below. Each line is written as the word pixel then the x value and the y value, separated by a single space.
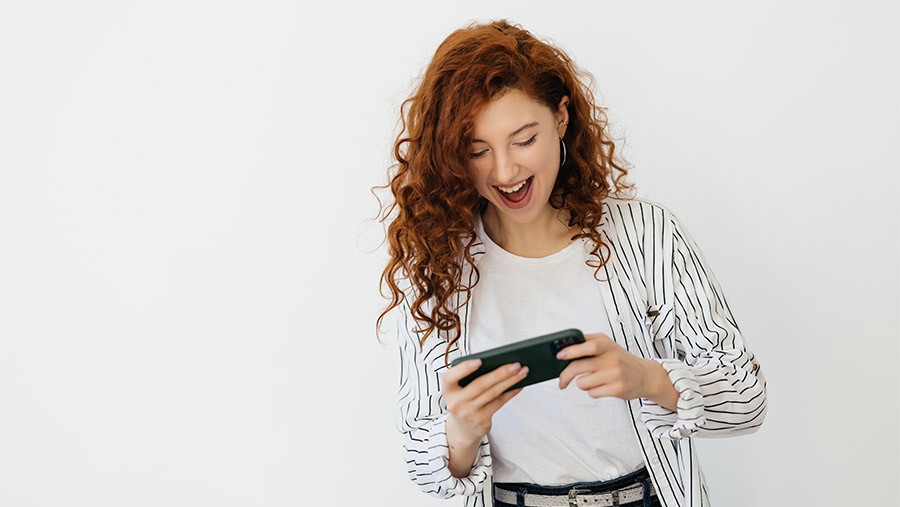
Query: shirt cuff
pixel 689 418
pixel 438 466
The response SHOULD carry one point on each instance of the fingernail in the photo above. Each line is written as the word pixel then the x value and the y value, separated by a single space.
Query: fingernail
pixel 513 367
pixel 524 371
pixel 562 355
pixel 473 363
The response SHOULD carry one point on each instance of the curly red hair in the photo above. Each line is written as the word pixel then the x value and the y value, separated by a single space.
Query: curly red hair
pixel 435 198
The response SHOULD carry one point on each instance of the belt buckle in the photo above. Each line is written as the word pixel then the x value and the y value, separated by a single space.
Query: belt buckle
pixel 573 496
pixel 574 492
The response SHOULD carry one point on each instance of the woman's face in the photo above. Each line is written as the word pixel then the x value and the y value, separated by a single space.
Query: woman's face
pixel 515 154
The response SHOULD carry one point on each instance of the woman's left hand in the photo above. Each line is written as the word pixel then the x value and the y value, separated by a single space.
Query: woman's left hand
pixel 604 368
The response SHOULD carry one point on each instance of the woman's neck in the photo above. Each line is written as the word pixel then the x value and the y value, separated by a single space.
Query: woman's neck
pixel 546 235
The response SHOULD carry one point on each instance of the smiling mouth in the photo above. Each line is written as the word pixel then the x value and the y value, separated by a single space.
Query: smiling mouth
pixel 517 192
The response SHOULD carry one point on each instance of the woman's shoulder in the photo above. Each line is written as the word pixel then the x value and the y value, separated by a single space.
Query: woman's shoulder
pixel 619 210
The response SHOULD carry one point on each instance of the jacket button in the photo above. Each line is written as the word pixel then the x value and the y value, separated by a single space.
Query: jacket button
pixel 619 319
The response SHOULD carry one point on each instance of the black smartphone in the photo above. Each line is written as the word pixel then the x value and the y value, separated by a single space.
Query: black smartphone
pixel 538 354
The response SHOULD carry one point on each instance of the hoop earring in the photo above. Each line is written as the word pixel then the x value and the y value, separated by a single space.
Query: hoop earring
pixel 563 152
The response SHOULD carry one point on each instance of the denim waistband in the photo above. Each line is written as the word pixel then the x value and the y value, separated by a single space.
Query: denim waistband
pixel 637 477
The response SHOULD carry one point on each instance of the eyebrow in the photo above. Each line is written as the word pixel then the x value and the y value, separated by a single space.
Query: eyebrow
pixel 514 134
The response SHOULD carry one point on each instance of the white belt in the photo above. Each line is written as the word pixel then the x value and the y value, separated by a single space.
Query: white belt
pixel 576 497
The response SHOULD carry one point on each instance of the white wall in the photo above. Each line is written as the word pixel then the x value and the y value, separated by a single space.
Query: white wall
pixel 186 313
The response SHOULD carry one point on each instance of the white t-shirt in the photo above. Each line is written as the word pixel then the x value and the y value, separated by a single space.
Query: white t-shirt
pixel 544 435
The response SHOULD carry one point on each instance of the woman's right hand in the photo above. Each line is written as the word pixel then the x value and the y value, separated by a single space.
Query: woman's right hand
pixel 472 407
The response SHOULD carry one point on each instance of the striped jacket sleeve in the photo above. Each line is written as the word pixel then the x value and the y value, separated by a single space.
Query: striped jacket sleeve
pixel 722 391
pixel 422 414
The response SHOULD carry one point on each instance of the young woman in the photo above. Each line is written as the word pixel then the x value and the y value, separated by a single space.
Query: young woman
pixel 511 219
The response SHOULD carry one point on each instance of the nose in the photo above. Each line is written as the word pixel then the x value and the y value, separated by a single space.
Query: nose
pixel 506 169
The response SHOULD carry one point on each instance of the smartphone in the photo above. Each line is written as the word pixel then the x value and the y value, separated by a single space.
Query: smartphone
pixel 538 354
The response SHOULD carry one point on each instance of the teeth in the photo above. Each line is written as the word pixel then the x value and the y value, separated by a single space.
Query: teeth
pixel 512 189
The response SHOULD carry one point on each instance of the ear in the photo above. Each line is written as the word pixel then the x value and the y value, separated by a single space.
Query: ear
pixel 562 116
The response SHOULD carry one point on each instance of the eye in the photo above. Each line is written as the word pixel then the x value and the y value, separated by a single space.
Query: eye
pixel 477 155
pixel 528 142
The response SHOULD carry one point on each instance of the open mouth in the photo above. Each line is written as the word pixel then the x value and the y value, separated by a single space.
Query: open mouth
pixel 516 193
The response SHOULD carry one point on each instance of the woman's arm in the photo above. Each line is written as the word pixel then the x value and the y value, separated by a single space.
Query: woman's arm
pixel 721 389
pixel 447 451
pixel 472 408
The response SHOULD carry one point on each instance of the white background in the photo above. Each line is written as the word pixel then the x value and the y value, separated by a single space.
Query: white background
pixel 187 308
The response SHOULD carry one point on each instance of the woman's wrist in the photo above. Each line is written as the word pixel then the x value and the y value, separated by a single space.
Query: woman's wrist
pixel 463 448
pixel 660 389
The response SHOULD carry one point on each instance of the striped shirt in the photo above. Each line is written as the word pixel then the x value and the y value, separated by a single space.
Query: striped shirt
pixel 665 304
